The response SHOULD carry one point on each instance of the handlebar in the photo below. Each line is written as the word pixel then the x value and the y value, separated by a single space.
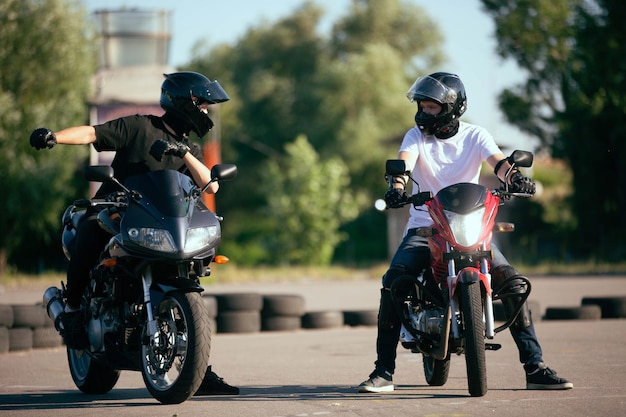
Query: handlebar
pixel 418 199
pixel 422 198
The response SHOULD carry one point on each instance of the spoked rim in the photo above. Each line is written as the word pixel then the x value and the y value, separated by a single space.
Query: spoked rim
pixel 164 354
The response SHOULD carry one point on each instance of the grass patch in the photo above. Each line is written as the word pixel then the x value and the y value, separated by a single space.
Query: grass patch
pixel 230 273
pixel 573 268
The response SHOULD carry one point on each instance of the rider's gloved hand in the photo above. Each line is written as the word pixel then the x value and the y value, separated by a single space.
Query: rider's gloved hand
pixel 522 184
pixel 396 197
pixel 161 147
pixel 42 138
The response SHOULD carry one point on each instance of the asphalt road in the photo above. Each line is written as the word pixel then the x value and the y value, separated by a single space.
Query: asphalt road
pixel 315 372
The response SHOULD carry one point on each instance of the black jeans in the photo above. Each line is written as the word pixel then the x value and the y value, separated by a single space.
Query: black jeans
pixel 90 240
pixel 413 256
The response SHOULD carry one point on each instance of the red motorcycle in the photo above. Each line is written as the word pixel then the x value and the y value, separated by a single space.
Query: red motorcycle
pixel 449 308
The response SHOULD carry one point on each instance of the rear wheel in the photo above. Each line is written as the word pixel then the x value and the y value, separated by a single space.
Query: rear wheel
pixel 175 358
pixel 89 375
pixel 436 370
pixel 474 335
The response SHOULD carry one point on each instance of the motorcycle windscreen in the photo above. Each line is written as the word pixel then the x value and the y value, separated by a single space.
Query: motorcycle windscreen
pixel 462 198
pixel 169 191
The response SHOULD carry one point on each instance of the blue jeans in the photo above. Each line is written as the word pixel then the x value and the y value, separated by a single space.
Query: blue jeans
pixel 411 258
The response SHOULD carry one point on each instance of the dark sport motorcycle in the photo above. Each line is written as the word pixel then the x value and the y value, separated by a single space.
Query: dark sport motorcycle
pixel 143 308
pixel 449 308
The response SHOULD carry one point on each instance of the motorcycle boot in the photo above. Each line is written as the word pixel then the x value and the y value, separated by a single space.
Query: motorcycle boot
pixel 72 329
pixel 404 297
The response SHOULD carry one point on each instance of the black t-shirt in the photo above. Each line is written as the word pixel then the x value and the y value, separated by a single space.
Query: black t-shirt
pixel 131 138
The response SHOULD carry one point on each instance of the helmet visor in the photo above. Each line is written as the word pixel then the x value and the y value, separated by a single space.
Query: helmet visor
pixel 429 88
pixel 211 92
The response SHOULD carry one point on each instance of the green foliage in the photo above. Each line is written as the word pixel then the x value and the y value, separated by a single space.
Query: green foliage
pixel 344 93
pixel 46 64
pixel 308 201
pixel 574 53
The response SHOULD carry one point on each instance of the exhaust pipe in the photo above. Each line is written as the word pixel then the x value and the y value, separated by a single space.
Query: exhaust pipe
pixel 53 301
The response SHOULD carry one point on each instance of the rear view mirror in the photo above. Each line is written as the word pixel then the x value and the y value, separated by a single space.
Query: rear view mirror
pixel 521 158
pixel 223 172
pixel 395 167
pixel 98 173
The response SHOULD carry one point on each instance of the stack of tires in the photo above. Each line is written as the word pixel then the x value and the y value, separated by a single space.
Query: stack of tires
pixel 355 318
pixel 322 319
pixel 24 327
pixel 282 312
pixel 238 312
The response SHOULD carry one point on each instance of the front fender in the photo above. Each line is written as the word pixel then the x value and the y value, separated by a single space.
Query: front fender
pixel 466 276
pixel 160 289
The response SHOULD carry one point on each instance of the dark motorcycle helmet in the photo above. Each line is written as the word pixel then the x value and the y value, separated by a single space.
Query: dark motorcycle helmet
pixel 448 91
pixel 182 93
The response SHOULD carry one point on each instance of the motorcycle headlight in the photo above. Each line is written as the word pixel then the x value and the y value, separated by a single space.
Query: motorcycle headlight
pixel 466 228
pixel 156 239
pixel 201 237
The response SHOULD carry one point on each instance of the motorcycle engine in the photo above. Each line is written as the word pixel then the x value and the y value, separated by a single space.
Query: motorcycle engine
pixel 106 320
pixel 431 320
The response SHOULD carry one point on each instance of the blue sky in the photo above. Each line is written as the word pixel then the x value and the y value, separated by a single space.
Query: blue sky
pixel 469 43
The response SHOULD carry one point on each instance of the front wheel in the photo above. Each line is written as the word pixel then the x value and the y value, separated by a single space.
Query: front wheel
pixel 175 359
pixel 474 335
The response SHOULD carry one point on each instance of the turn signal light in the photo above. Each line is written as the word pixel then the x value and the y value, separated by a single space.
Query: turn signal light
pixel 221 259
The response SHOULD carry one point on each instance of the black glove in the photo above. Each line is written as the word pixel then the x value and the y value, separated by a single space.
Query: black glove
pixel 161 147
pixel 521 184
pixel 43 138
pixel 396 197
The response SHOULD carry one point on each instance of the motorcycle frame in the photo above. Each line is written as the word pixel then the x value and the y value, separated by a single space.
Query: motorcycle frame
pixel 454 251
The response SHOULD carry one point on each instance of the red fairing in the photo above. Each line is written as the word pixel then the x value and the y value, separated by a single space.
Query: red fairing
pixel 437 206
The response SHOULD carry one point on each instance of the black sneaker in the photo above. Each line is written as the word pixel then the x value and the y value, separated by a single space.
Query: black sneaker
pixel 215 385
pixel 379 381
pixel 73 330
pixel 539 376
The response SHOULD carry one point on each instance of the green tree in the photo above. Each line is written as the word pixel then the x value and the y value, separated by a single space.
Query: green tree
pixel 574 54
pixel 46 64
pixel 343 92
pixel 308 202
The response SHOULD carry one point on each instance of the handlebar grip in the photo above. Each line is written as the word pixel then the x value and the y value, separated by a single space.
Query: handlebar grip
pixel 420 199
pixel 82 203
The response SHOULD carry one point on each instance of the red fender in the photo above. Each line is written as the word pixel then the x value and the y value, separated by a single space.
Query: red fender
pixel 468 275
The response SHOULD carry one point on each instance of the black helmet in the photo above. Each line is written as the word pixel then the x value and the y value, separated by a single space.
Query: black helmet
pixel 183 92
pixel 448 91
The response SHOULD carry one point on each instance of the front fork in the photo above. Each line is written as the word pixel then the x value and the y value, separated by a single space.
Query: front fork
pixel 454 278
pixel 151 327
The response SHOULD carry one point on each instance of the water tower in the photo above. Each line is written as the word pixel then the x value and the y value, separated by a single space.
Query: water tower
pixel 133 53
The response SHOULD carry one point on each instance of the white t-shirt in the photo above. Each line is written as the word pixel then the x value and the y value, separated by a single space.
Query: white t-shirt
pixel 443 162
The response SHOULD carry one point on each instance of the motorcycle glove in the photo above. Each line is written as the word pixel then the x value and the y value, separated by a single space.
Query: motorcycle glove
pixel 161 147
pixel 396 197
pixel 521 184
pixel 42 138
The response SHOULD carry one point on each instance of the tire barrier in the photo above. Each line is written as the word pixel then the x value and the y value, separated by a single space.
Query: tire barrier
pixel 238 312
pixel 360 318
pixel 588 312
pixel 591 308
pixel 282 312
pixel 24 327
pixel 612 307
pixel 322 319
